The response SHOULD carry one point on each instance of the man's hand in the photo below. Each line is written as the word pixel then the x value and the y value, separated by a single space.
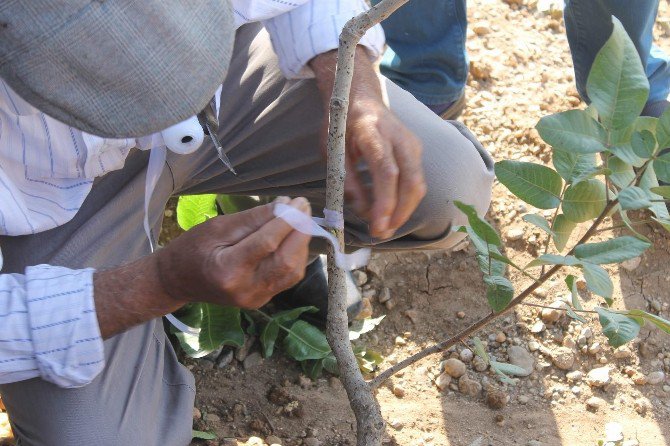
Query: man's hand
pixel 379 142
pixel 242 259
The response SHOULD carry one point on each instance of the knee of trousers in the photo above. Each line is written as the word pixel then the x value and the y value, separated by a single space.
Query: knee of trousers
pixel 457 167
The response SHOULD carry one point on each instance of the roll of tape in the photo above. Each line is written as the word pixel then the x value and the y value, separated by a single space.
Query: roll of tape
pixel 185 137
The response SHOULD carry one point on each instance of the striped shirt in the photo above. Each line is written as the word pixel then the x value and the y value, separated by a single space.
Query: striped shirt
pixel 48 324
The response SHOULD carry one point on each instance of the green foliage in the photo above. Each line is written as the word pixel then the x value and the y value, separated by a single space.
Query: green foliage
pixel 617 84
pixel 270 331
pixel 195 209
pixel 617 327
pixel 305 341
pixel 499 292
pixel 218 326
pixel 200 435
pixel 562 230
pixel 480 226
pixel 572 166
pixel 584 201
pixel 633 197
pixel 615 250
pixel 573 131
pixel 535 184
pixel 598 281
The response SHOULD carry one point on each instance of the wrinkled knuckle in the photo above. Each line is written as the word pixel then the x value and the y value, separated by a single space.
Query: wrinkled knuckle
pixel 268 244
pixel 390 171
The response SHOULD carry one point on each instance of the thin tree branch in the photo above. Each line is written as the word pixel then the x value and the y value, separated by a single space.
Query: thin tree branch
pixel 369 421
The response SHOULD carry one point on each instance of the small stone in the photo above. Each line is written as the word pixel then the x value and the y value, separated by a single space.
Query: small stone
pixel 224 359
pixel 594 403
pixel 310 441
pixel 595 348
pixel 613 432
pixel 242 352
pixel 563 358
pixel 466 355
pixel 196 413
pixel 460 314
pixel 384 296
pixel 396 424
pixel 443 381
pixel 598 377
pixel 469 386
pixel 514 233
pixel 212 417
pixel 575 376
pixel 641 406
pixel 533 346
pixel 520 357
pixel 587 332
pixel 481 28
pixel 631 264
pixel 360 277
pixel 523 399
pixel 390 304
pixel 538 327
pixel 666 388
pixel 412 315
pixel 273 440
pixel 479 364
pixel 254 441
pixel 576 390
pixel 655 378
pixel 496 399
pixel 623 352
pixel 253 360
pixel 398 390
pixel 454 367
pixel 639 379
pixel 366 309
pixel 552 315
pixel 569 342
pixel 500 337
pixel 304 382
pixel 399 340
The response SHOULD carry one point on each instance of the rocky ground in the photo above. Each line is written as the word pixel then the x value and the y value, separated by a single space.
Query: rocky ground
pixel 578 389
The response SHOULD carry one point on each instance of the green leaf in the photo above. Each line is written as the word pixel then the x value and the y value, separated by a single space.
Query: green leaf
pixel 502 258
pixel 622 173
pixel 330 364
pixel 270 331
pixel 305 341
pixel 195 209
pixel 617 84
pixel 644 144
pixel 573 165
pixel 571 282
pixel 656 320
pixel 231 204
pixel 662 167
pixel 663 129
pixel 360 327
pixel 218 325
pixel 538 221
pixel 312 368
pixel 487 263
pixel 499 292
pixel 621 146
pixel 508 369
pixel 535 184
pixel 648 181
pixel 633 197
pixel 584 201
pixel 615 250
pixel 618 328
pixel 572 131
pixel 571 313
pixel 553 259
pixel 480 226
pixel 200 435
pixel 562 230
pixel 598 281
pixel 663 191
pixel 480 350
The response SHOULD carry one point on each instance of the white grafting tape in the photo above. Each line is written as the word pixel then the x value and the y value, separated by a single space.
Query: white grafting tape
pixel 185 137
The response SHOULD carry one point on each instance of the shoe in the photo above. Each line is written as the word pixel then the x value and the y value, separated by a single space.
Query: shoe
pixel 450 110
pixel 313 290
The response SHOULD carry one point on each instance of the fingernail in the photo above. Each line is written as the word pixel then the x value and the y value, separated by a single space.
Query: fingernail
pixel 382 225
pixel 301 203
pixel 283 200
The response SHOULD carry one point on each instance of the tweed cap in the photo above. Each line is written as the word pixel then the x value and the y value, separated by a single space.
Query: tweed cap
pixel 116 68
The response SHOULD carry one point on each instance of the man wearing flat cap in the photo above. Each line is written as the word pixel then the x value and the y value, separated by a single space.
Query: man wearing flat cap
pixel 87 91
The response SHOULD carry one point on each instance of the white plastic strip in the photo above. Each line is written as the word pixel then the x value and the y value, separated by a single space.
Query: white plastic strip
pixel 157 158
pixel 179 325
pixel 301 222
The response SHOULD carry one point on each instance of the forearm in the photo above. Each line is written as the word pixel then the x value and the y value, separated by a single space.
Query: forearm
pixel 130 295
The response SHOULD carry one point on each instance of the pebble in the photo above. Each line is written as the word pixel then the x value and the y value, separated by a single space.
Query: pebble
pixel 569 342
pixel 576 390
pixel 479 364
pixel 466 355
pixel 398 390
pixel 399 340
pixel 519 356
pixel 587 332
pixel 666 388
pixel 533 346
pixel 514 233
pixel 366 309
pixel 443 381
pixel 469 386
pixel 196 413
pixel 460 314
pixel 500 337
pixel 253 360
pixel 412 315
pixel 273 440
pixel 563 358
pixel 523 399
pixel 598 377
pixel 384 296
pixel 390 304
pixel 538 327
pixel 551 315
pixel 360 277
pixel 481 28
pixel 595 348
pixel 454 367
pixel 623 352
pixel 254 441
pixel 396 424
pixel 595 403
pixel 641 406
pixel 655 378
pixel 224 359
pixel 631 264
pixel 212 417
pixel 575 376
pixel 496 399
pixel 242 352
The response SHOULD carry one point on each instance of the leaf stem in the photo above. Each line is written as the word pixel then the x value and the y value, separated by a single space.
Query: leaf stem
pixel 530 304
